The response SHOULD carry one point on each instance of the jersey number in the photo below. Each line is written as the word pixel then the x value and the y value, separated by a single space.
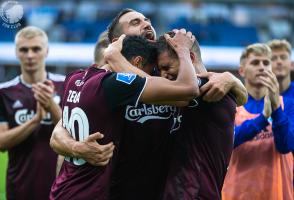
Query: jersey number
pixel 79 117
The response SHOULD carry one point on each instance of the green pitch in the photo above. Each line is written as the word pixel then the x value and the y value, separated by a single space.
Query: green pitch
pixel 3 165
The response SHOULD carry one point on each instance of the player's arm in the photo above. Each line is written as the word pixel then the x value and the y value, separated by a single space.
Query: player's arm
pixel 220 84
pixel 43 93
pixel 283 129
pixel 12 137
pixel 282 125
pixel 89 150
pixel 59 163
pixel 250 128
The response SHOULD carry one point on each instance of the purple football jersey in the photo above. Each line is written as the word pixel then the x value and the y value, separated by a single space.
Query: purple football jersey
pixel 32 163
pixel 202 150
pixel 93 101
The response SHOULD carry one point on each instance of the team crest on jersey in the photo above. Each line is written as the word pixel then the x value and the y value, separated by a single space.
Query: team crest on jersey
pixel 125 77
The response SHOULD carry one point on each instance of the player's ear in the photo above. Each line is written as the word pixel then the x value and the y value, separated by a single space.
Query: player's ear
pixel 114 39
pixel 137 61
pixel 192 56
pixel 241 70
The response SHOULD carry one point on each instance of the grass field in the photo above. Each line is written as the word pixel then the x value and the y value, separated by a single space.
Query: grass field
pixel 3 165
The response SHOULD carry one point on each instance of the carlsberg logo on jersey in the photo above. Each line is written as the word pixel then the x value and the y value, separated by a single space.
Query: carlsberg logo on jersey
pixel 144 112
pixel 23 115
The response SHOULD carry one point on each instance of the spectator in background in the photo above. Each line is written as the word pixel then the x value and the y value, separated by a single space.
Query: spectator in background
pixel 261 166
pixel 281 64
pixel 28 112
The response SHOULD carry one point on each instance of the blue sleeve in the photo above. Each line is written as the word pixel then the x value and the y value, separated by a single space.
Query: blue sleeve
pixel 283 128
pixel 248 129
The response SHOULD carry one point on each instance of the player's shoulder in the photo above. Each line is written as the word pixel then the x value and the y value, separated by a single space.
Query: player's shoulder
pixel 13 82
pixel 56 77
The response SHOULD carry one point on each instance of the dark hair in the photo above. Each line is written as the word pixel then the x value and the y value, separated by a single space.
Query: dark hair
pixel 114 28
pixel 163 46
pixel 102 43
pixel 139 46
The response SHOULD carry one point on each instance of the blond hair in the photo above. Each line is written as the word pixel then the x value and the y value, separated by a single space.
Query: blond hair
pixel 257 49
pixel 30 32
pixel 280 45
pixel 100 45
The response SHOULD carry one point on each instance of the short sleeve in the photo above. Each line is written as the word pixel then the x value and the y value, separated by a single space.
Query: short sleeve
pixel 123 89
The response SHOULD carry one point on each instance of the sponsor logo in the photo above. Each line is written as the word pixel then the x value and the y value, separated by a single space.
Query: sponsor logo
pixel 177 121
pixel 23 115
pixel 11 13
pixel 193 103
pixel 125 77
pixel 145 112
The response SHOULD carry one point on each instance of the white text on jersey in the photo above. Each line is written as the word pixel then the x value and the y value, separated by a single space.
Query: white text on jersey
pixel 73 96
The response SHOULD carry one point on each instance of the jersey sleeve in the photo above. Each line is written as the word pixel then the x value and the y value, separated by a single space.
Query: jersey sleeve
pixel 283 128
pixel 123 89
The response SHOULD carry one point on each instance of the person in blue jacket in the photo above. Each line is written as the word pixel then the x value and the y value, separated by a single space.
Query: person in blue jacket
pixel 281 117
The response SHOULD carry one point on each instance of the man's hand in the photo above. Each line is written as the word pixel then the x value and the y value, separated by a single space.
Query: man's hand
pixel 40 113
pixel 43 93
pixel 271 82
pixel 218 85
pixel 114 47
pixel 94 153
pixel 182 40
pixel 267 108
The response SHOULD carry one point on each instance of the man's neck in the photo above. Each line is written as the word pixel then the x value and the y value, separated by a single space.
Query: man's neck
pixel 106 66
pixel 284 83
pixel 256 92
pixel 34 77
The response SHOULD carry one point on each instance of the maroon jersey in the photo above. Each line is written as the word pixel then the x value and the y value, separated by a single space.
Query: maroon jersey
pixel 144 154
pixel 202 150
pixel 32 163
pixel 93 101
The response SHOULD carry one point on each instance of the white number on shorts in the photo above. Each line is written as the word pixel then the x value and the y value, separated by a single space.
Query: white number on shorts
pixel 80 117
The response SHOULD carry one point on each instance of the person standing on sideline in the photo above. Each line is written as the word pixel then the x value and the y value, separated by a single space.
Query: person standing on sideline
pixel 28 112
pixel 261 166
pixel 281 64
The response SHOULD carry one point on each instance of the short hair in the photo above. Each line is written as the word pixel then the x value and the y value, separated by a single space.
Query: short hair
pixel 257 49
pixel 101 44
pixel 280 45
pixel 139 46
pixel 114 28
pixel 163 46
pixel 30 32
